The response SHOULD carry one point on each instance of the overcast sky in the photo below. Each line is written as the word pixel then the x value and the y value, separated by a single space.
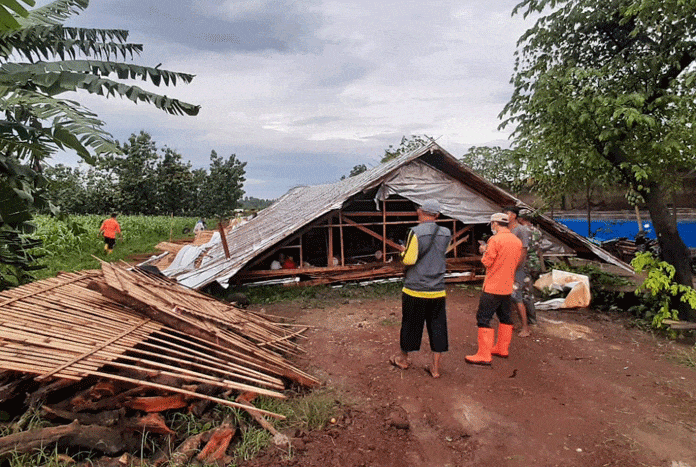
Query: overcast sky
pixel 304 90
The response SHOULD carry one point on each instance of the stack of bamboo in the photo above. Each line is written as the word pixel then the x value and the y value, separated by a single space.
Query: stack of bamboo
pixel 76 325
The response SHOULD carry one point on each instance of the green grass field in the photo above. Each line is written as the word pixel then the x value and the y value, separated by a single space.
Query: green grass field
pixel 71 244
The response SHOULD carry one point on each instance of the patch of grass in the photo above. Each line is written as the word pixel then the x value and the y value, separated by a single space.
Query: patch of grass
pixel 253 441
pixel 310 411
pixel 70 243
pixel 316 296
pixel 686 357
pixel 189 425
pixel 44 458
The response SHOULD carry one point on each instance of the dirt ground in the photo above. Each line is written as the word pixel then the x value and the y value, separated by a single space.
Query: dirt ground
pixel 585 390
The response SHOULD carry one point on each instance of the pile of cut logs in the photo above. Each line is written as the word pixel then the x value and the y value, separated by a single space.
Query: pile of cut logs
pixel 109 355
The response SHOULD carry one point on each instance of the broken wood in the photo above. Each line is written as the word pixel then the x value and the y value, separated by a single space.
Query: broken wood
pixel 103 418
pixel 157 403
pixel 107 440
pixel 680 325
pixel 185 451
pixel 279 439
pixel 214 450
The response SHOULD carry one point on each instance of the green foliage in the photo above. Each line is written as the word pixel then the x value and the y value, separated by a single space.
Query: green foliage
pixel 70 242
pixel 39 60
pixel 321 295
pixel 356 170
pixel 407 145
pixel 254 204
pixel 8 10
pixel 223 189
pixel 499 166
pixel 145 179
pixel 604 93
pixel 660 289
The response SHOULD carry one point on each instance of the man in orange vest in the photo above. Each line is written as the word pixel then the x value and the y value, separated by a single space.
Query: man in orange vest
pixel 501 255
pixel 109 229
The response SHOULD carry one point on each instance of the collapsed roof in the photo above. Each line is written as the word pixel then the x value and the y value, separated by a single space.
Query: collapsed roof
pixel 132 327
pixel 467 199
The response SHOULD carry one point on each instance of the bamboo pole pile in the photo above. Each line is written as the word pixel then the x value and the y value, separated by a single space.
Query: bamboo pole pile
pixel 63 329
pixel 261 341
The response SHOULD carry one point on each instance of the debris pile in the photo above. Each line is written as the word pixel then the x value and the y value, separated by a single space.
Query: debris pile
pixel 108 353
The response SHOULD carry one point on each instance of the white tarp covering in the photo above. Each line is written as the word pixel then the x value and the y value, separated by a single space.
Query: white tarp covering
pixel 579 285
pixel 417 182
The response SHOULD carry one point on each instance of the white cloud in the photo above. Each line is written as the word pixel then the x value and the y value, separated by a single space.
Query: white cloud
pixel 333 85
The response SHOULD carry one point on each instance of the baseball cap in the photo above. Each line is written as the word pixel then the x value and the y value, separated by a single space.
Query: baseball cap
pixel 431 205
pixel 499 217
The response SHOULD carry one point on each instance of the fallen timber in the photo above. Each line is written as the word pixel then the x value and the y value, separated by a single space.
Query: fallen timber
pixel 360 272
pixel 129 346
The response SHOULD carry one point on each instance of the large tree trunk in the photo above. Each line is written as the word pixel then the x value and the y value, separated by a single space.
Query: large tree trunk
pixel 672 248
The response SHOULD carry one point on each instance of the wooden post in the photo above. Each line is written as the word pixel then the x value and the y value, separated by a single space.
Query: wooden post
pixel 221 229
pixel 299 262
pixel 384 230
pixel 454 234
pixel 329 259
pixel 340 233
pixel 639 220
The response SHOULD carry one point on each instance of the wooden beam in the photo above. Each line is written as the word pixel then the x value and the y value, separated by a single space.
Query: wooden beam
pixel 329 247
pixel 457 243
pixel 340 232
pixel 384 230
pixel 374 234
pixel 221 229
pixel 379 214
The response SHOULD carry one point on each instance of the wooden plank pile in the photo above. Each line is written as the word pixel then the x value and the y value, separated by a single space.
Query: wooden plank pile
pixel 358 273
pixel 113 350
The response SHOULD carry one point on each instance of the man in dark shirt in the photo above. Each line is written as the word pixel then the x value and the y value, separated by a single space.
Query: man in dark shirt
pixel 423 295
pixel 521 276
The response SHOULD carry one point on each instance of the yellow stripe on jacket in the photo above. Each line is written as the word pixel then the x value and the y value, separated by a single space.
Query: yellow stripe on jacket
pixel 409 257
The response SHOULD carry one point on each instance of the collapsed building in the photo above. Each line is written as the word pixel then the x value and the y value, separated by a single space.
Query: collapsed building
pixel 353 230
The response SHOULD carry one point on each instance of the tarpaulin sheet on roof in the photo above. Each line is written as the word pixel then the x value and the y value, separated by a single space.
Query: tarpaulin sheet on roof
pixel 419 182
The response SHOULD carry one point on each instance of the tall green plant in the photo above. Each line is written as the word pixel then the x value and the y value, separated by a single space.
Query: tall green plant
pixel 606 88
pixel 40 59
pixel 661 289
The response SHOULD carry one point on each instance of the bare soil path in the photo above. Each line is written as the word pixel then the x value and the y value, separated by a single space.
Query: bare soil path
pixel 585 390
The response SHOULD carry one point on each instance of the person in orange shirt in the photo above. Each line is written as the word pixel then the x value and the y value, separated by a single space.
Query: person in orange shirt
pixel 501 255
pixel 109 228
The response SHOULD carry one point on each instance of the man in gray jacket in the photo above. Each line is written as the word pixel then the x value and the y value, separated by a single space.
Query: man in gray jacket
pixel 423 295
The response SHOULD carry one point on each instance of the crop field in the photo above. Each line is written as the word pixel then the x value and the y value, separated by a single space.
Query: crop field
pixel 71 244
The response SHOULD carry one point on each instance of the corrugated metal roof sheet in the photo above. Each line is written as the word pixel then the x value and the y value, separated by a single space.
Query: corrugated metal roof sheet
pixel 305 204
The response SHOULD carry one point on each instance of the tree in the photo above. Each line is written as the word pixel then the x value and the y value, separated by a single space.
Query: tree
pixel 39 60
pixel 175 190
pixel 134 169
pixel 499 166
pixel 66 188
pixel 256 204
pixel 609 83
pixel 356 170
pixel 406 145
pixel 224 186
